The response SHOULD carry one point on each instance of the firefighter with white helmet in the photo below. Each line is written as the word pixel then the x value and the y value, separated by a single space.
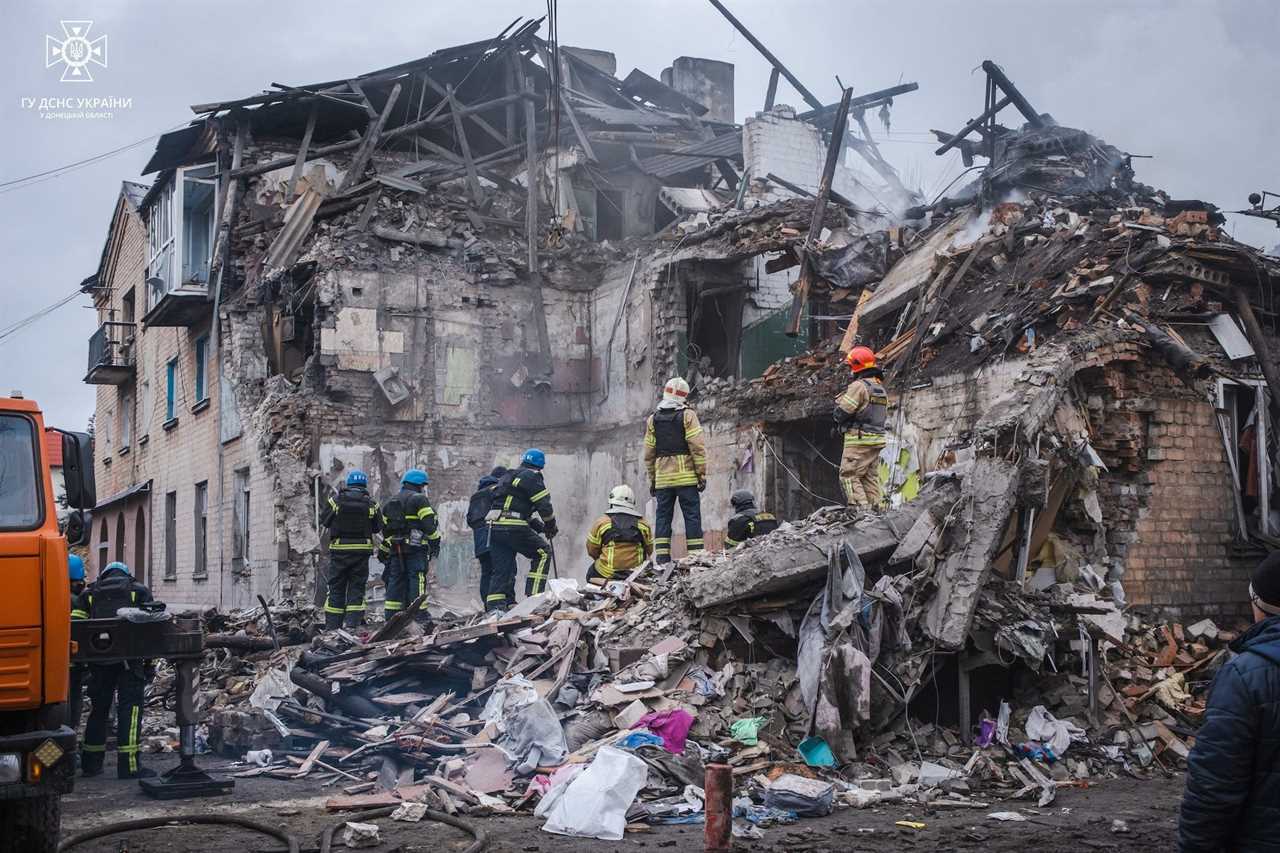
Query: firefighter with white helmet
pixel 675 456
pixel 620 540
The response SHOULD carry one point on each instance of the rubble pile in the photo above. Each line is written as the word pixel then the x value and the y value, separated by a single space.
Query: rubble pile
pixel 819 689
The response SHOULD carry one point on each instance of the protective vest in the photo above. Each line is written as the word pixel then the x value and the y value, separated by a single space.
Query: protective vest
pixel 515 492
pixel 394 522
pixel 108 595
pixel 623 530
pixel 668 432
pixel 871 419
pixel 353 518
pixel 762 523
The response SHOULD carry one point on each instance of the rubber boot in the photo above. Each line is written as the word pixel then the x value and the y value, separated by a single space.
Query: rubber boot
pixel 139 772
pixel 353 620
pixel 332 621
pixel 91 763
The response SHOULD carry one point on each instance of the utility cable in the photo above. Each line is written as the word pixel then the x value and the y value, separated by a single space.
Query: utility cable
pixel 13 329
pixel 57 172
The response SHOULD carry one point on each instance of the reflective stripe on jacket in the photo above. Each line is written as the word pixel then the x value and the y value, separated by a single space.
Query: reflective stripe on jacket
pixel 686 469
pixel 611 553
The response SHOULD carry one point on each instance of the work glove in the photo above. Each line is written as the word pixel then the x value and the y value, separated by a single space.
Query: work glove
pixel 434 549
pixel 702 484
pixel 552 529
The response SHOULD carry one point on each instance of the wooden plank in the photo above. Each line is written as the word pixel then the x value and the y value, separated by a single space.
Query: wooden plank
pixel 819 212
pixel 851 331
pixel 370 142
pixel 460 134
pixel 772 93
pixel 470 115
pixel 396 624
pixel 364 99
pixel 302 153
pixel 311 759
pixel 577 128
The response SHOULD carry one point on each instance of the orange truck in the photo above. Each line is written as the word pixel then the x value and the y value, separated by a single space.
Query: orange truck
pixel 37 747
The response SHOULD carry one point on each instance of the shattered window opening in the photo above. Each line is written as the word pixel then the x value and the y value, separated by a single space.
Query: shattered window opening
pixel 201 519
pixel 171 536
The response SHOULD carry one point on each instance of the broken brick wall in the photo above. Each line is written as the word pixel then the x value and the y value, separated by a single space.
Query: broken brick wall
pixel 1167 498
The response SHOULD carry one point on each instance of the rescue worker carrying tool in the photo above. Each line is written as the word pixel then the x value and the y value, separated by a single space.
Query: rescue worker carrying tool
pixel 620 540
pixel 75 692
pixel 410 540
pixel 352 518
pixel 122 683
pixel 477 510
pixel 748 521
pixel 860 413
pixel 675 455
pixel 518 495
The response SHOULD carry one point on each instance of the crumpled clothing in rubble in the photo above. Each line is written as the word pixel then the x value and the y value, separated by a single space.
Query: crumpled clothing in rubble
pixel 672 726
pixel 1047 729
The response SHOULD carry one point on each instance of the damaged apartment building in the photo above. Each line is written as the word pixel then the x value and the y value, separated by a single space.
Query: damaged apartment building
pixel 507 244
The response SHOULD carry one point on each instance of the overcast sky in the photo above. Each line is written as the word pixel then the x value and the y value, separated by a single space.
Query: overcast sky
pixel 1192 83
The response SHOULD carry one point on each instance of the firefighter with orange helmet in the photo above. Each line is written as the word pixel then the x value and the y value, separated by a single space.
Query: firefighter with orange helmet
pixel 860 413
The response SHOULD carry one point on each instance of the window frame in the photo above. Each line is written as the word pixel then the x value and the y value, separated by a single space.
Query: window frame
pixel 37 446
pixel 200 525
pixel 171 389
pixel 171 536
pixel 202 369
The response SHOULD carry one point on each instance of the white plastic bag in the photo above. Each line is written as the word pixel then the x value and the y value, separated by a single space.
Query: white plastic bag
pixel 1048 729
pixel 595 803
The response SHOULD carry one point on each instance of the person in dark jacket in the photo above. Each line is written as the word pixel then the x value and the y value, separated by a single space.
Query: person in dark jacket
pixel 748 521
pixel 122 683
pixel 352 517
pixel 520 499
pixel 477 511
pixel 410 540
pixel 1232 799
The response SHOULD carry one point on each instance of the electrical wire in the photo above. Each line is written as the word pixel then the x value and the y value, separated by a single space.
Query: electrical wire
pixel 57 172
pixel 9 331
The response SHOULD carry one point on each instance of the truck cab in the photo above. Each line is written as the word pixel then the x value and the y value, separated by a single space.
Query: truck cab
pixel 37 746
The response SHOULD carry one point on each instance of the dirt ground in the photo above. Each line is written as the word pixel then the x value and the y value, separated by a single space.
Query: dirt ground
pixel 1079 820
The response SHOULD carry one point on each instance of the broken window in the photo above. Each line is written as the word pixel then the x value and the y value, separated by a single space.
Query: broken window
pixel 240 520
pixel 180 232
pixel 201 527
pixel 127 307
pixel 1248 436
pixel 715 293
pixel 171 536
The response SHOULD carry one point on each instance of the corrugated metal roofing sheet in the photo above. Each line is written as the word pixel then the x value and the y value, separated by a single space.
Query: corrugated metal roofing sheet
pixel 693 156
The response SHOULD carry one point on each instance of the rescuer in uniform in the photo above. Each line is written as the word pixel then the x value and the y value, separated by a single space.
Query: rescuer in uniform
pixel 352 518
pixel 675 455
pixel 122 683
pixel 75 692
pixel 410 540
pixel 517 497
pixel 620 540
pixel 860 413
pixel 747 521
pixel 477 512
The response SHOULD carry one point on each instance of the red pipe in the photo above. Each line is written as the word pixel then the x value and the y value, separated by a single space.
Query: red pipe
pixel 718 787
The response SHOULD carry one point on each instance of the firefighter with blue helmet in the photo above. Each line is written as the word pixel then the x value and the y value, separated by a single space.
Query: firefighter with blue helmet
pixel 478 508
pixel 410 540
pixel 521 512
pixel 351 517
pixel 121 683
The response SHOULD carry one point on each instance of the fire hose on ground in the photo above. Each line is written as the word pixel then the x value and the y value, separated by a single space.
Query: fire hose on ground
pixel 480 842
pixel 154 822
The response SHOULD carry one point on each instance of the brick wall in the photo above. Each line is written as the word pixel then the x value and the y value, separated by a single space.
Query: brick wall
pixel 1167 498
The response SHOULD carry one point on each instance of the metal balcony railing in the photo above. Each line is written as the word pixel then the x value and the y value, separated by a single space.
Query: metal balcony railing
pixel 111 346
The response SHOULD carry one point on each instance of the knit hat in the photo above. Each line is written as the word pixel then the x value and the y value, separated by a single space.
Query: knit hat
pixel 1264 584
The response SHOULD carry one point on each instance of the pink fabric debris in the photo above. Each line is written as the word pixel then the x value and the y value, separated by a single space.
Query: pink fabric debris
pixel 672 726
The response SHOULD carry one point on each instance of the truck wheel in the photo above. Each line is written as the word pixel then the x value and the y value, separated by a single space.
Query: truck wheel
pixel 32 824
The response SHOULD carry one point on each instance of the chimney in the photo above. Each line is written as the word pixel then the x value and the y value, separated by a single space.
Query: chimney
pixel 707 81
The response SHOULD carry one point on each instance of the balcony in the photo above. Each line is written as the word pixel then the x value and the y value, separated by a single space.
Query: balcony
pixel 185 305
pixel 111 355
